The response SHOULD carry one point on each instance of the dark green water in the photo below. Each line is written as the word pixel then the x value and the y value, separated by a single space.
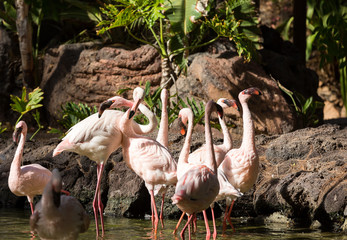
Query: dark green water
pixel 14 224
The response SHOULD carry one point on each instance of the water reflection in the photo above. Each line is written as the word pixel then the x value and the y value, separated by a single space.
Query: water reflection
pixel 15 225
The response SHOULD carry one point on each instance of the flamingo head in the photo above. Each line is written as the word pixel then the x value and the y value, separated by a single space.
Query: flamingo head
pixel 225 103
pixel 21 127
pixel 184 116
pixel 247 93
pixel 114 102
pixel 138 96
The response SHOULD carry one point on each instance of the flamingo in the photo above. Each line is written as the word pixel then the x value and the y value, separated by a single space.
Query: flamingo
pixel 58 216
pixel 241 166
pixel 97 137
pixel 197 184
pixel 28 180
pixel 148 158
pixel 198 156
pixel 162 138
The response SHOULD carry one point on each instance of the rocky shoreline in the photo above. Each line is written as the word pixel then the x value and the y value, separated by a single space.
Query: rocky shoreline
pixel 303 177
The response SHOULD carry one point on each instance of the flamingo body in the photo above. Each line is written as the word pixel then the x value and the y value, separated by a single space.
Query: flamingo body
pixel 28 180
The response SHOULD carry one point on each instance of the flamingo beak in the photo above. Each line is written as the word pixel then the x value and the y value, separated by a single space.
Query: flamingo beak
pixel 234 105
pixel 219 110
pixel 182 127
pixel 253 91
pixel 134 108
pixel 103 106
pixel 16 134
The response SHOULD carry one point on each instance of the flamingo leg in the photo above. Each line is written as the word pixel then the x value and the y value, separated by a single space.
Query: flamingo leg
pixel 96 198
pixel 214 225
pixel 100 205
pixel 179 222
pixel 156 218
pixel 228 216
pixel 225 218
pixel 194 223
pixel 208 232
pixel 185 226
pixel 161 211
pixel 32 208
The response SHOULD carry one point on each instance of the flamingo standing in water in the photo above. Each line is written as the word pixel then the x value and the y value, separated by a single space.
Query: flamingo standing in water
pixel 97 138
pixel 198 156
pixel 197 184
pixel 28 180
pixel 241 166
pixel 148 158
pixel 58 216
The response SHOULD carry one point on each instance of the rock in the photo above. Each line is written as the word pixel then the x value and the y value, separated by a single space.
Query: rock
pixel 211 76
pixel 84 73
pixel 308 176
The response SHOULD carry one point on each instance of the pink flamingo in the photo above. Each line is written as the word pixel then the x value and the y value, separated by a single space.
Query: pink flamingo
pixel 164 140
pixel 241 166
pixel 197 184
pixel 198 156
pixel 58 216
pixel 148 158
pixel 97 138
pixel 28 180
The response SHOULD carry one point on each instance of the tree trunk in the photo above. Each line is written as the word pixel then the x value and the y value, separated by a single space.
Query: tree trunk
pixel 24 29
pixel 168 75
pixel 300 8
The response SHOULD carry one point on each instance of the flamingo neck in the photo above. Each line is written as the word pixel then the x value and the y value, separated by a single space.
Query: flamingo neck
pixel 248 128
pixel 125 125
pixel 164 125
pixel 183 158
pixel 227 141
pixel 50 201
pixel 152 121
pixel 17 160
pixel 211 159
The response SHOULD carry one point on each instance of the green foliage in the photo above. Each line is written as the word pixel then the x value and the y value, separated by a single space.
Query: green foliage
pixel 27 103
pixel 2 129
pixel 327 21
pixel 306 109
pixel 180 26
pixel 72 114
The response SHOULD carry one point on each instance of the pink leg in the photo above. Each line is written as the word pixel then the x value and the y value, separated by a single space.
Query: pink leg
pixel 179 222
pixel 194 223
pixel 156 218
pixel 208 232
pixel 214 225
pixel 65 192
pixel 185 226
pixel 161 211
pixel 229 213
pixel 100 205
pixel 225 218
pixel 32 208
pixel 95 201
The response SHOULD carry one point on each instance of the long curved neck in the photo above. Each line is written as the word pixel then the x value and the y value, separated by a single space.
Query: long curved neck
pixel 227 141
pixel 164 124
pixel 17 159
pixel 125 125
pixel 248 128
pixel 183 158
pixel 144 129
pixel 211 159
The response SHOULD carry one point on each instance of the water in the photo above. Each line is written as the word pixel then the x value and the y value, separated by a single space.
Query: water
pixel 14 224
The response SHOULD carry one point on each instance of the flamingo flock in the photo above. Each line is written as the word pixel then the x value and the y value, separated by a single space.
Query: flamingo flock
pixel 201 178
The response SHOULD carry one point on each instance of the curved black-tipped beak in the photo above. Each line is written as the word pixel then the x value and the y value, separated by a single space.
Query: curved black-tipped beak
pixel 253 91
pixel 131 114
pixel 183 129
pixel 219 110
pixel 16 134
pixel 103 106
